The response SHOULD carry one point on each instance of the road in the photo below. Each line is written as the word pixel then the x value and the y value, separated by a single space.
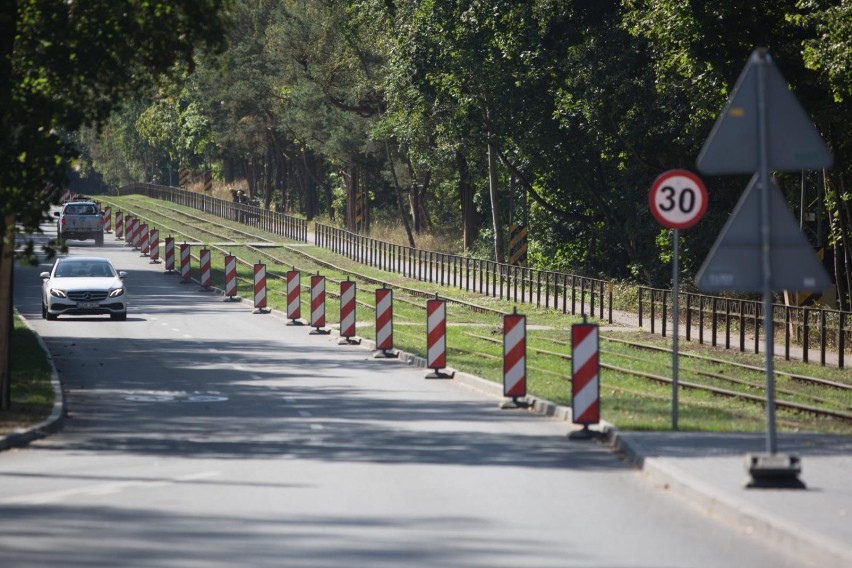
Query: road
pixel 202 434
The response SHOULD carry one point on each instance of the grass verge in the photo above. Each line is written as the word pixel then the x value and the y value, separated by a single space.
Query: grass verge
pixel 32 393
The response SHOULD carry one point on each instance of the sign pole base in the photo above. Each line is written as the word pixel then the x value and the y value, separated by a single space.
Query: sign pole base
pixel 349 341
pixel 774 471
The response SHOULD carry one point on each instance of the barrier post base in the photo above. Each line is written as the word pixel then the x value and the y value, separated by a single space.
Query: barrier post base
pixel 295 322
pixel 319 331
pixel 231 299
pixel 516 402
pixel 156 261
pixel 439 374
pixel 349 341
pixel 261 311
pixel 584 434
pixel 386 354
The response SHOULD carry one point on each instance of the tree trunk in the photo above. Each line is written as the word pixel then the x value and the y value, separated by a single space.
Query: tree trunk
pixel 7 264
pixel 499 255
pixel 469 221
pixel 268 175
pixel 400 201
pixel 351 176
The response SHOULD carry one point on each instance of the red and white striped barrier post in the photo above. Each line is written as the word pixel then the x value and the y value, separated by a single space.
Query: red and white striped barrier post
pixel 260 288
pixel 436 338
pixel 231 277
pixel 384 323
pixel 515 359
pixel 347 313
pixel 143 239
pixel 585 373
pixel 294 297
pixel 318 305
pixel 137 233
pixel 134 233
pixel 205 275
pixel 154 248
pixel 107 219
pixel 185 268
pixel 119 225
pixel 128 226
pixel 170 254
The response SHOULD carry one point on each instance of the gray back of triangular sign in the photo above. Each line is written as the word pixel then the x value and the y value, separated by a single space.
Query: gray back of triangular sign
pixel 733 145
pixel 734 262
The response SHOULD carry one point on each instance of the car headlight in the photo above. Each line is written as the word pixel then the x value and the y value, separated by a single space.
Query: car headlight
pixel 117 292
pixel 57 293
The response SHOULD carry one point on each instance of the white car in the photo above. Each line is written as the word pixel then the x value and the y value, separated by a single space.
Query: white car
pixel 83 285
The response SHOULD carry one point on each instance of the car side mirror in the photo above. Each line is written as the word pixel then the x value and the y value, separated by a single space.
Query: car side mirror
pixel 122 274
pixel 44 275
pixel 56 213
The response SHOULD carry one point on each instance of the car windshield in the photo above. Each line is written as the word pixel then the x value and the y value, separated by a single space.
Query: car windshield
pixel 81 209
pixel 83 268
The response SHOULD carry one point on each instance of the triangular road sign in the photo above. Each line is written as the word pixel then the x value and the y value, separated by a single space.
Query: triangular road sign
pixel 734 262
pixel 793 142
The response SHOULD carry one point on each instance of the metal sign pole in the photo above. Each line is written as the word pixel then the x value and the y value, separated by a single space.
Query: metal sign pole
pixel 676 326
pixel 765 260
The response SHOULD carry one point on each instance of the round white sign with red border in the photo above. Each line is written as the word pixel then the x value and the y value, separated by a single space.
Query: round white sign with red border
pixel 678 199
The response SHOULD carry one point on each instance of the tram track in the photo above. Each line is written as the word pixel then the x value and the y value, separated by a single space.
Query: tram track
pixel 689 385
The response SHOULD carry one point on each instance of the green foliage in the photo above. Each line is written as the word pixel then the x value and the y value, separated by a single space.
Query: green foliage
pixel 69 65
pixel 586 101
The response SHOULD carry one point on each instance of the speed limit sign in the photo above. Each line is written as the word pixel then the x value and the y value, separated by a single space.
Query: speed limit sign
pixel 678 199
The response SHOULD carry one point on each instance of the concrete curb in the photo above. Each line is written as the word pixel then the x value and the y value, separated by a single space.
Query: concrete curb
pixel 55 421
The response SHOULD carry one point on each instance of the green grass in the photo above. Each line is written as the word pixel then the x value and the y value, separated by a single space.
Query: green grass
pixel 31 391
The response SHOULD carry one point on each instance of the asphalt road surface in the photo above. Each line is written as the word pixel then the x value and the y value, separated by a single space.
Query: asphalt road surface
pixel 201 434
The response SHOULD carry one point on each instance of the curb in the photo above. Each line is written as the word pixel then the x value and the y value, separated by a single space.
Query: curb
pixel 55 421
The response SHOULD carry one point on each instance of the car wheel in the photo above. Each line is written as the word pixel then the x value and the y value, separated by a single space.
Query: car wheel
pixel 51 317
pixel 99 240
pixel 118 317
pixel 43 311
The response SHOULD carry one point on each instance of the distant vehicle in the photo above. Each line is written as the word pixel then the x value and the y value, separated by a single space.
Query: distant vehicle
pixel 83 285
pixel 80 220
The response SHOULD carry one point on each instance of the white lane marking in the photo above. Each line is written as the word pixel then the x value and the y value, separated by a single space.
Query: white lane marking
pixel 317 427
pixel 256 377
pixel 102 489
pixel 187 336
pixel 304 413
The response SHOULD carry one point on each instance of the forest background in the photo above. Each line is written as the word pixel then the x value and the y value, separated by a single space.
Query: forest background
pixel 463 117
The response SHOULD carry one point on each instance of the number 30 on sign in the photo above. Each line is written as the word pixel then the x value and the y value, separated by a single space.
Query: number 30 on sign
pixel 678 199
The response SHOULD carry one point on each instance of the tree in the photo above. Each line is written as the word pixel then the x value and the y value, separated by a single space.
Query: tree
pixel 66 65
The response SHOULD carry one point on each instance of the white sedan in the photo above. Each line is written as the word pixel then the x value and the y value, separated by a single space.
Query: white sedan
pixel 83 285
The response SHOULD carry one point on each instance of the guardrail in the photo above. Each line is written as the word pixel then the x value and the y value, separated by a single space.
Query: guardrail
pixel 541 288
pixel 743 319
pixel 270 221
